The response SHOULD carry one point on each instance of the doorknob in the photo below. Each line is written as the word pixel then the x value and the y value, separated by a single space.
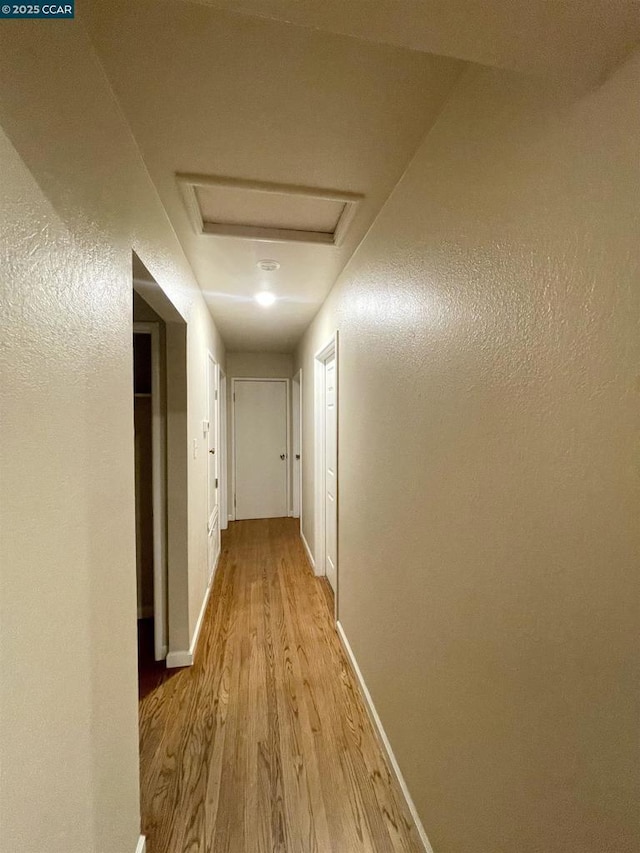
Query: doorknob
pixel 283 456
pixel 212 451
pixel 297 456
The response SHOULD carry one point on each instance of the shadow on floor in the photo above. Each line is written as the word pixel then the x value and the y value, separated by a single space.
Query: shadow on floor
pixel 151 673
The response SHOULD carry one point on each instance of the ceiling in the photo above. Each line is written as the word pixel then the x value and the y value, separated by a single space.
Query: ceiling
pixel 214 93
pixel 328 95
pixel 572 38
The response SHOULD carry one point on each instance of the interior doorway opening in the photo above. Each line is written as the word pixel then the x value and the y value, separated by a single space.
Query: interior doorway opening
pixel 159 341
pixel 150 436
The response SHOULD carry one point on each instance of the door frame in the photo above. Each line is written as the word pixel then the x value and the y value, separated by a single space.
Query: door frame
pixel 177 460
pixel 222 442
pixel 159 492
pixel 213 373
pixel 329 350
pixel 234 380
pixel 296 431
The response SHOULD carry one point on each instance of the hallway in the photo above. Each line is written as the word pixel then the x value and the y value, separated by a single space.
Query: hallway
pixel 264 744
pixel 409 230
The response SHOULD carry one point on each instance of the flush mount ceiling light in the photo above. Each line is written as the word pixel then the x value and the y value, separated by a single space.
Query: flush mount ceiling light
pixel 268 265
pixel 273 213
pixel 265 298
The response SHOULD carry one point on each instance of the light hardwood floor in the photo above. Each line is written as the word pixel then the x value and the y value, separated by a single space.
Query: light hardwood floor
pixel 264 745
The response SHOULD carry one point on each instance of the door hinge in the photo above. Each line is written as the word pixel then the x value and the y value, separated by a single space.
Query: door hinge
pixel 215 395
pixel 216 486
pixel 234 500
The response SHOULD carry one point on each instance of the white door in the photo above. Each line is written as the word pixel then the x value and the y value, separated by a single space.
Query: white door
pixel 213 455
pixel 260 448
pixel 331 472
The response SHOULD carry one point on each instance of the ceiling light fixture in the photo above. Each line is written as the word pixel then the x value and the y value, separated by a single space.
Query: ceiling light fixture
pixel 268 265
pixel 265 298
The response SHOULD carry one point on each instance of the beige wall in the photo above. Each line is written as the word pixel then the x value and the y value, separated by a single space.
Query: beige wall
pixel 143 312
pixel 75 201
pixel 260 365
pixel 489 350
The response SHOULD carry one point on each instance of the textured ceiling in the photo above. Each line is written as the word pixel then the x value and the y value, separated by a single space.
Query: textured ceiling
pixel 572 38
pixel 315 94
pixel 210 92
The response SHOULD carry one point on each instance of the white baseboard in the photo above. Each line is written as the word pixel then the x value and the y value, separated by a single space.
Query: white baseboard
pixel 308 550
pixel 182 657
pixel 377 722
pixel 231 517
pixel 141 847
pixel 179 658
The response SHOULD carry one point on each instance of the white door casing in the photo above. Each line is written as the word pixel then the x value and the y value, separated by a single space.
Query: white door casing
pixel 296 449
pixel 331 471
pixel 222 450
pixel 326 467
pixel 260 447
pixel 212 430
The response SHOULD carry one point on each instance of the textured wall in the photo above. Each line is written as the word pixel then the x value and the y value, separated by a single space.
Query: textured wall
pixel 488 505
pixel 260 365
pixel 75 201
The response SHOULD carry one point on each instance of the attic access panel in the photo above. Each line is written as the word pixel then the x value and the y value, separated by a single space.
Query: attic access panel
pixel 230 207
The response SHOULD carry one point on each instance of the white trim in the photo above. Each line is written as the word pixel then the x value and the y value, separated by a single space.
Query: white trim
pixel 232 508
pixel 319 360
pixel 288 451
pixel 318 454
pixel 312 562
pixel 179 659
pixel 213 516
pixel 234 379
pixel 287 382
pixel 159 491
pixel 222 441
pixel 275 235
pixel 300 447
pixel 203 609
pixel 377 722
pixel 296 381
pixel 183 657
pixel 141 846
pixel 212 427
pixel 189 182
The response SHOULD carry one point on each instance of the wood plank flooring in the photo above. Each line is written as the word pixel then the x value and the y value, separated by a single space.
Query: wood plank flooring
pixel 264 745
